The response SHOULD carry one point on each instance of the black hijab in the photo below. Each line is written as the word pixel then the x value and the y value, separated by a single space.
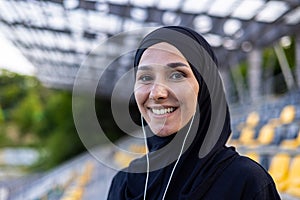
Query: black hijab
pixel 205 156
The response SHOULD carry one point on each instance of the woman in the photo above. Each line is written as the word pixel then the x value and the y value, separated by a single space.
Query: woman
pixel 185 120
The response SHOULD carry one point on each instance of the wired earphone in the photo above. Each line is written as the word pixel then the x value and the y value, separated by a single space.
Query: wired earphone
pixel 147 158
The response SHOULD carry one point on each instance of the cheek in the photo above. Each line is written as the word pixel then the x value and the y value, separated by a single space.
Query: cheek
pixel 188 95
pixel 194 91
pixel 141 95
pixel 194 85
pixel 187 92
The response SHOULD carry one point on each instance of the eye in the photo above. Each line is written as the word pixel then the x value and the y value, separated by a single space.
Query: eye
pixel 177 75
pixel 145 78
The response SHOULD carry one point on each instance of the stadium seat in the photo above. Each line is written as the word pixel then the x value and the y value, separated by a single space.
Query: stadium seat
pixel 279 168
pixel 252 119
pixel 75 191
pixel 123 158
pixel 249 131
pixel 137 148
pixel 288 114
pixel 266 135
pixel 246 136
pixel 293 182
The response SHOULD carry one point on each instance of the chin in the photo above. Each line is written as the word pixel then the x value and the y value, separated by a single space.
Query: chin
pixel 163 132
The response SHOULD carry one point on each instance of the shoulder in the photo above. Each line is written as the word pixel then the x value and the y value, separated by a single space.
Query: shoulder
pixel 117 186
pixel 244 179
pixel 251 170
pixel 254 180
pixel 119 178
pixel 247 172
pixel 247 164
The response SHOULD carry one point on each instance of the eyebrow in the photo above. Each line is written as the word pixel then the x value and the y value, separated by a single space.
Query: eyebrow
pixel 171 65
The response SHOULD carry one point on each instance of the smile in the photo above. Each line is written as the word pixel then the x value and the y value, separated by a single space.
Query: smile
pixel 163 111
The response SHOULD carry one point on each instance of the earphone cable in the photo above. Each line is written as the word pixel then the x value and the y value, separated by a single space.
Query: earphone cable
pixel 147 157
pixel 181 151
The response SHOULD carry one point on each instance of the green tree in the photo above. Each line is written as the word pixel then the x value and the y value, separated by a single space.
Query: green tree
pixel 57 126
pixel 28 113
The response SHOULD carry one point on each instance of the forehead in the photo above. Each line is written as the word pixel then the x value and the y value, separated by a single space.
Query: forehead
pixel 161 53
pixel 164 46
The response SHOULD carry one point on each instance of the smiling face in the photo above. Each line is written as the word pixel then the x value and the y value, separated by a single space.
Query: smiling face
pixel 166 89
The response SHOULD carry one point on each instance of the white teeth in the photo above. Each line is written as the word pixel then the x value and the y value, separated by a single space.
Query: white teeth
pixel 162 111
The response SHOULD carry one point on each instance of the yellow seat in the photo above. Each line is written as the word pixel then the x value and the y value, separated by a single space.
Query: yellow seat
pixel 292 183
pixel 246 130
pixel 252 119
pixel 287 114
pixel 138 148
pixel 279 168
pixel 123 158
pixel 247 136
pixel 266 135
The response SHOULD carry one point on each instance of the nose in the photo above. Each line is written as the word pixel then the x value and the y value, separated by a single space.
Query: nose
pixel 158 92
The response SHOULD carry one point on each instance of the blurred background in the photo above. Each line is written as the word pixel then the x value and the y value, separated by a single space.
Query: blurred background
pixel 43 43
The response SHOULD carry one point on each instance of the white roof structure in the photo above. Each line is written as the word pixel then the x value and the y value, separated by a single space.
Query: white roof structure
pixel 57 35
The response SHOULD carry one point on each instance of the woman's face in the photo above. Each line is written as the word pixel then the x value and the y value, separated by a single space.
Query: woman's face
pixel 166 89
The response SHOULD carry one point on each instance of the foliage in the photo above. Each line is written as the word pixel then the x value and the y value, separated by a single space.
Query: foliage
pixel 13 88
pixel 38 112
pixel 59 129
pixel 28 113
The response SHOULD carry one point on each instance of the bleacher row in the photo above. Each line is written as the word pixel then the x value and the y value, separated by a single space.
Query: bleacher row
pixel 77 187
pixel 283 131
pixel 269 133
pixel 82 178
pixel 74 186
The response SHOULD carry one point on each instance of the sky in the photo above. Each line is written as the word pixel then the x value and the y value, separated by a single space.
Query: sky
pixel 12 59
